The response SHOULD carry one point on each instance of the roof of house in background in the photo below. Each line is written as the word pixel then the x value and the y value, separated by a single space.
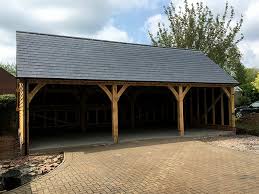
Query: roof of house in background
pixel 62 57
pixel 7 82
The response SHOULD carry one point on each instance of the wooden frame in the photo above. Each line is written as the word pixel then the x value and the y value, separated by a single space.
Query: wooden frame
pixel 131 83
pixel 180 97
pixel 35 90
pixel 111 89
pixel 114 96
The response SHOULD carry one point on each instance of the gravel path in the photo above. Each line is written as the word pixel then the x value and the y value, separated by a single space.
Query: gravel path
pixel 238 142
pixel 31 166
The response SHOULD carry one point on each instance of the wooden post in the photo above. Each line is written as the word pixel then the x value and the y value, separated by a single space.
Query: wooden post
pixel 180 112
pixel 25 97
pixel 27 113
pixel 114 114
pixel 232 108
pixel 222 108
pixel 213 107
pixel 198 105
pixel 114 96
pixel 22 121
pixel 191 109
pixel 180 97
pixel 82 113
pixel 205 108
pixel 132 112
pixel 231 105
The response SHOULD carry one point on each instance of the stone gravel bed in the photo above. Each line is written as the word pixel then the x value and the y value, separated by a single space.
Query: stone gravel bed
pixel 238 142
pixel 31 166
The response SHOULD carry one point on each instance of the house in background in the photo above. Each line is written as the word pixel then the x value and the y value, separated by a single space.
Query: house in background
pixel 95 88
pixel 7 82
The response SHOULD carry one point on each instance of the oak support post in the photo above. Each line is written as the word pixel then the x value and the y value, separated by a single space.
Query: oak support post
pixel 205 107
pixel 82 113
pixel 27 116
pixel 114 95
pixel 22 116
pixel 180 112
pixel 132 111
pixel 198 105
pixel 222 108
pixel 232 108
pixel 213 107
pixel 25 97
pixel 191 109
pixel 115 114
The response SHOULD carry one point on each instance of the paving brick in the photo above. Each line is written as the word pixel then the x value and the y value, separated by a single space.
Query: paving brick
pixel 157 166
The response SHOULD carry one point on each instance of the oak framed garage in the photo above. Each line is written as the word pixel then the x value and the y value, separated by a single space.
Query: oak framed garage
pixel 202 91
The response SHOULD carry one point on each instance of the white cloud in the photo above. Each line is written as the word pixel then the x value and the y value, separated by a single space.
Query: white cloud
pixel 129 4
pixel 109 32
pixel 250 50
pixel 7 54
pixel 65 17
pixel 151 23
pixel 52 15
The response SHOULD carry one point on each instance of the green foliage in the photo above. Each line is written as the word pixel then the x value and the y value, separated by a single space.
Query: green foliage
pixel 7 99
pixel 8 115
pixel 249 93
pixel 250 74
pixel 256 82
pixel 9 68
pixel 196 27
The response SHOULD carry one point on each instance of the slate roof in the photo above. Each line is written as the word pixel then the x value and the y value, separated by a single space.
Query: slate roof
pixel 63 57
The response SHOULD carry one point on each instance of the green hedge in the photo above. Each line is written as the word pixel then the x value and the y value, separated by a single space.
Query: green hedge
pixel 8 115
pixel 7 99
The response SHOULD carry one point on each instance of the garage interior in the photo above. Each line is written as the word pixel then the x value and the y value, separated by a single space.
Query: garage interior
pixel 76 115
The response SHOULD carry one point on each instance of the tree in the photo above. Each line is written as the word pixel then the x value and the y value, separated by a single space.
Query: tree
pixel 250 74
pixel 256 82
pixel 9 68
pixel 196 27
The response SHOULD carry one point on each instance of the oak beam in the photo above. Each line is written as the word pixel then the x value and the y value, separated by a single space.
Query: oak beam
pixel 132 83
pixel 27 116
pixel 215 102
pixel 180 112
pixel 222 108
pixel 174 92
pixel 205 107
pixel 191 108
pixel 132 111
pixel 106 90
pixel 213 107
pixel 232 108
pixel 34 91
pixel 185 91
pixel 22 120
pixel 115 134
pixel 124 87
pixel 82 113
pixel 226 91
pixel 198 104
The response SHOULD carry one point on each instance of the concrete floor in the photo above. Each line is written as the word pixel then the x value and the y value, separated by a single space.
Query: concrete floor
pixel 62 142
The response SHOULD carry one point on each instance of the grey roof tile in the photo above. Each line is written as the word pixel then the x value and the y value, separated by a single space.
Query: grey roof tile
pixel 52 56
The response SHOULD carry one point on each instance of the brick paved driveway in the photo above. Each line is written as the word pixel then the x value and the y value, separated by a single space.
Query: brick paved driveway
pixel 157 166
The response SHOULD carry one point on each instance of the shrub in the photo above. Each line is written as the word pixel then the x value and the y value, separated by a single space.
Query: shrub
pixel 7 99
pixel 8 115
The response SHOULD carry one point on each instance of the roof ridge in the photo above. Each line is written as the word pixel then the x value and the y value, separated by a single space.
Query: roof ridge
pixel 100 40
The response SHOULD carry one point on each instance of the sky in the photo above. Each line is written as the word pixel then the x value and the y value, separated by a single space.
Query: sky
pixel 118 20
